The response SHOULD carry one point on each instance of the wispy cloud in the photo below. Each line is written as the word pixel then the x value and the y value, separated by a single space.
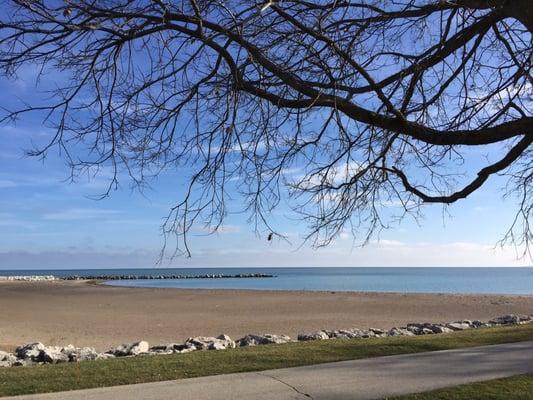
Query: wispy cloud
pixel 222 229
pixel 4 184
pixel 383 253
pixel 74 214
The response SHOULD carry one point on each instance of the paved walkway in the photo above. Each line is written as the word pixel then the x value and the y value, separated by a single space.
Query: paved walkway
pixel 375 378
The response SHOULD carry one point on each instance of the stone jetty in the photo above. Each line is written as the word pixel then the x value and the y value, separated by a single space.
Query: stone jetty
pixel 28 278
pixel 119 277
pixel 150 277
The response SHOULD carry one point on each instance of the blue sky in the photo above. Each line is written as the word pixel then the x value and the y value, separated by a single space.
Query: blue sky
pixel 47 221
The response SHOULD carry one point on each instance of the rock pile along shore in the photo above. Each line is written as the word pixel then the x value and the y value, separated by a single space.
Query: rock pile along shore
pixel 38 353
pixel 149 277
pixel 29 278
pixel 130 277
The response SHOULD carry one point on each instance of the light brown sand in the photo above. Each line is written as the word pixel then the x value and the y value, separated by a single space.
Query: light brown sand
pixel 60 313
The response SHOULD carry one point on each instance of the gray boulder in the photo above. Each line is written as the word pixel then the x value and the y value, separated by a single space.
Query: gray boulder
pixel 162 349
pixel 221 342
pixel 104 356
pixel 54 355
pixel 414 328
pixel 400 332
pixel 254 340
pixel 76 354
pixel 86 354
pixel 440 329
pixel 425 328
pixel 346 334
pixel 7 359
pixel 378 332
pixel 199 342
pixel 5 356
pixel 71 352
pixel 139 347
pixel 318 335
pixel 132 349
pixel 360 333
pixel 181 347
pixel 511 319
pixel 420 329
pixel 458 326
pixel 30 352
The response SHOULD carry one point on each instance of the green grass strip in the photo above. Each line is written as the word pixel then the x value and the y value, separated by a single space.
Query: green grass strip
pixel 514 388
pixel 91 374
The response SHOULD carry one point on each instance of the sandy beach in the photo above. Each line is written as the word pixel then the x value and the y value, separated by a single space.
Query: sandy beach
pixel 83 314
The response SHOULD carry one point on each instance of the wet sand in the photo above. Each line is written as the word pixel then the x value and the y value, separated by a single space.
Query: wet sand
pixel 84 314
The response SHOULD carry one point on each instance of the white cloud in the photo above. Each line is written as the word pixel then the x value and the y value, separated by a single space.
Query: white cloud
pixel 222 229
pixel 342 172
pixel 5 184
pixel 73 214
pixel 386 253
pixel 28 180
pixel 390 243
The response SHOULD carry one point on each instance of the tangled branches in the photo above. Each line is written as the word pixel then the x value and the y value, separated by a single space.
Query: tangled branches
pixel 355 112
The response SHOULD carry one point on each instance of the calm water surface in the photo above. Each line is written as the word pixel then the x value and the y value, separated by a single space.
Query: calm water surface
pixel 505 280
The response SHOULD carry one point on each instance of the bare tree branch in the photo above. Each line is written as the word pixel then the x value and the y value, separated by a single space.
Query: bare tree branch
pixel 356 113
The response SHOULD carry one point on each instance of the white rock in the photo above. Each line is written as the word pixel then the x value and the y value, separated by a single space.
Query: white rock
pixel 210 343
pixel 458 326
pixel 54 355
pixel 7 359
pixel 104 356
pixel 139 347
pixel 80 354
pixel 174 348
pixel 254 340
pixel 31 351
pixel 5 356
pixel 510 319
pixel 162 349
pixel 399 332
pixel 28 278
pixel 318 335
pixel 130 349
pixel 441 329
pixel 345 334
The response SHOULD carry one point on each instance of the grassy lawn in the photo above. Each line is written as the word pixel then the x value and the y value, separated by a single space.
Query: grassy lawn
pixel 514 388
pixel 50 378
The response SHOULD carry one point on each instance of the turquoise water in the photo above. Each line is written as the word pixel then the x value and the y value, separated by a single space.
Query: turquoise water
pixel 505 280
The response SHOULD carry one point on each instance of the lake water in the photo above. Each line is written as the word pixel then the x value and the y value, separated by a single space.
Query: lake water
pixel 505 280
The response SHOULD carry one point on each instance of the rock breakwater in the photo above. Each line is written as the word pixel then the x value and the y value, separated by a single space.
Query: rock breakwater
pixel 38 353
pixel 119 277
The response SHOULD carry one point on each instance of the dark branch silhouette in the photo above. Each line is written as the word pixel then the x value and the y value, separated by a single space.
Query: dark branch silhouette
pixel 356 113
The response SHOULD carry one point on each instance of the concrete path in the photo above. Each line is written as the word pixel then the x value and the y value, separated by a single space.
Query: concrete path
pixel 375 378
